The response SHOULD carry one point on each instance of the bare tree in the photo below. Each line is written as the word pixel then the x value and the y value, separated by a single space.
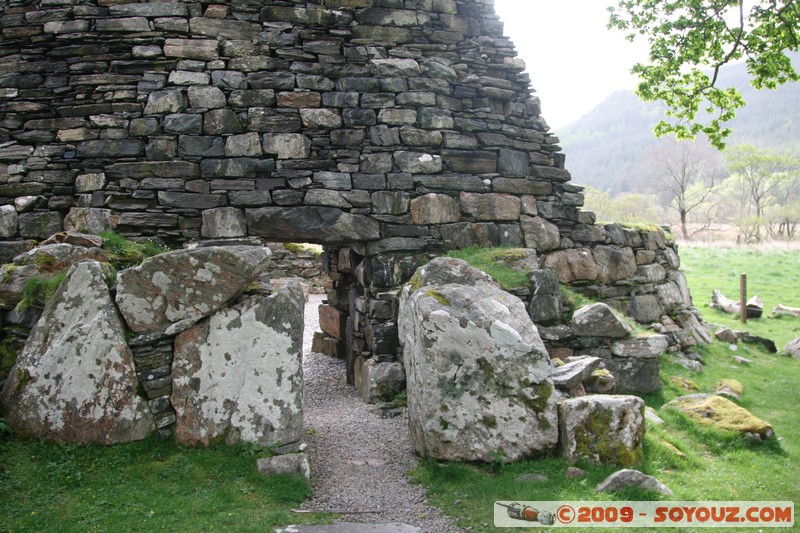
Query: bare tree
pixel 686 173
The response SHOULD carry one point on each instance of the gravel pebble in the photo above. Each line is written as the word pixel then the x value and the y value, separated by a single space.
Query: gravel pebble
pixel 358 459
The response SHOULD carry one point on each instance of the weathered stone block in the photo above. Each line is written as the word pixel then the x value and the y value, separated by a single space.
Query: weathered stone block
pixel 572 265
pixel 614 263
pixel 602 429
pixel 540 234
pixel 287 145
pixel 186 284
pixel 417 163
pixel 208 97
pixel 324 225
pixel 8 221
pixel 205 49
pixel 219 121
pixel 238 375
pixel 332 321
pixel 513 164
pixel 598 320
pixel 545 296
pixel 160 102
pixel 223 222
pixel 39 225
pixel 490 206
pixel 470 162
pixel 376 382
pixel 435 209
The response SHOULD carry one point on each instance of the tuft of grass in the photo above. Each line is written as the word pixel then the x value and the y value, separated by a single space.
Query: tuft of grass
pixel 125 253
pixel 493 261
pixel 58 487
pixel 303 248
pixel 39 290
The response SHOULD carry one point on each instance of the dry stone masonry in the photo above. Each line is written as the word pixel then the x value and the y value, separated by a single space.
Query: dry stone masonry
pixel 388 131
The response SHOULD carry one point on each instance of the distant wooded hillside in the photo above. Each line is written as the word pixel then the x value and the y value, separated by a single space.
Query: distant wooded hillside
pixel 608 148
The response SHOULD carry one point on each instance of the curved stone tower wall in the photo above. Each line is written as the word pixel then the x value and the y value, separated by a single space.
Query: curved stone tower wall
pixel 409 125
pixel 387 130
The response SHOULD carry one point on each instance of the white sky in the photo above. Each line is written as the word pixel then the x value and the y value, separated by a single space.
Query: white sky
pixel 573 60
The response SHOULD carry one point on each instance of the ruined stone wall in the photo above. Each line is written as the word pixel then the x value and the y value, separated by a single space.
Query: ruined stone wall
pixel 408 125
pixel 389 131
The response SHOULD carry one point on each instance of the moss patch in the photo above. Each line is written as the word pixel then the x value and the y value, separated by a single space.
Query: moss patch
pixel 438 296
pixel 493 262
pixel 721 413
pixel 39 290
pixel 541 395
pixel 733 385
pixel 594 441
pixel 125 253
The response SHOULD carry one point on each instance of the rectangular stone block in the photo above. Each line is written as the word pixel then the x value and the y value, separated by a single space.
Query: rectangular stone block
pixel 192 48
pixel 332 321
pixel 470 162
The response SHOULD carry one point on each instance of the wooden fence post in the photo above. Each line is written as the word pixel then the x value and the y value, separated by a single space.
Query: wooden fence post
pixel 743 298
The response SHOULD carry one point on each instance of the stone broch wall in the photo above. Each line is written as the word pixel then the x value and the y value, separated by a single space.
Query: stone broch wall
pixel 387 130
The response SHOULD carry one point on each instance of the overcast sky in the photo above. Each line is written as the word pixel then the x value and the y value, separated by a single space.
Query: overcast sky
pixel 573 60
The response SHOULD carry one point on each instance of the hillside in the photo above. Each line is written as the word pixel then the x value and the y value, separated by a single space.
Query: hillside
pixel 608 147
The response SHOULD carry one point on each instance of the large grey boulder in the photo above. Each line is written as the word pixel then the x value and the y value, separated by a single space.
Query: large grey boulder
pixel 602 429
pixel 75 380
pixel 478 375
pixel 237 376
pixel 186 284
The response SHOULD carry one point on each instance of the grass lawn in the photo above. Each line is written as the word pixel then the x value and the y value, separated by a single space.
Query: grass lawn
pixel 772 274
pixel 152 485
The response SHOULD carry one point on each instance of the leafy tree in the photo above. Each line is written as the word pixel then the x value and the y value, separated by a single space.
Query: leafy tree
pixel 687 173
pixel 761 174
pixel 691 40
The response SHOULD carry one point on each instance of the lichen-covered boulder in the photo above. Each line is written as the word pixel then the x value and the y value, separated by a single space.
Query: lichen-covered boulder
pixel 75 379
pixel 598 320
pixel 478 375
pixel 186 284
pixel 237 376
pixel 721 413
pixel 602 429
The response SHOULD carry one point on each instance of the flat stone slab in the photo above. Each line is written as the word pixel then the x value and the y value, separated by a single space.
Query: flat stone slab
pixel 351 528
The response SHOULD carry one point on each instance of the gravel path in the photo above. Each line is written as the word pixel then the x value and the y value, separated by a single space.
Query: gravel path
pixel 358 459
